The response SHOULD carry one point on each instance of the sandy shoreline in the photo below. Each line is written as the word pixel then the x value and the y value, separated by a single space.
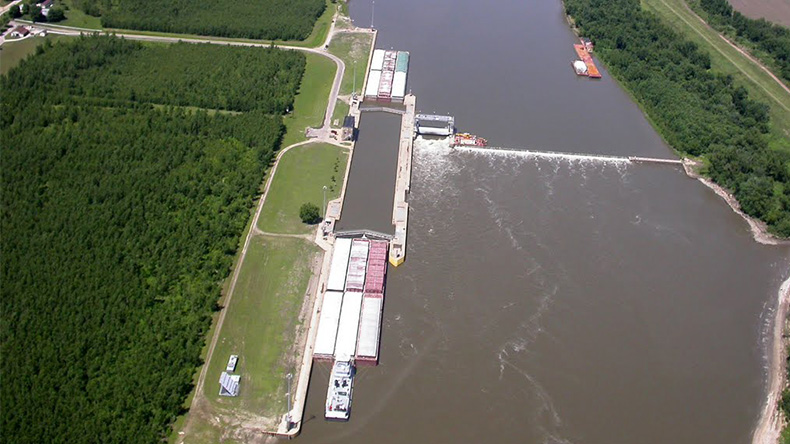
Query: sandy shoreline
pixel 769 426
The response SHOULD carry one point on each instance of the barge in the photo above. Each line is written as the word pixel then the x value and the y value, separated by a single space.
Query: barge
pixel 584 55
pixel 387 76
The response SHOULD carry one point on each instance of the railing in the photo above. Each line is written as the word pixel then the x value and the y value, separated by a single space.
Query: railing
pixel 370 234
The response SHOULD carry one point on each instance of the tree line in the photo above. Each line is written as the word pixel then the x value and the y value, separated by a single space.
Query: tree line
pixel 120 219
pixel 697 111
pixel 253 19
pixel 770 38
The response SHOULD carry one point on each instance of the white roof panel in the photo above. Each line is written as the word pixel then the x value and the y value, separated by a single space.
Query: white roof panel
pixel 328 324
pixel 339 265
pixel 377 62
pixel 370 327
pixel 346 344
pixel 372 87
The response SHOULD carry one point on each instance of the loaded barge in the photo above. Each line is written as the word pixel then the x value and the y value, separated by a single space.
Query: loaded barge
pixel 585 66
pixel 349 328
pixel 387 76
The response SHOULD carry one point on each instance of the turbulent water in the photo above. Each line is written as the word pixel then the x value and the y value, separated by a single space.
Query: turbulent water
pixel 548 299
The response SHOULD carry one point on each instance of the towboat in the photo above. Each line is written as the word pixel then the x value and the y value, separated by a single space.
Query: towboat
pixel 466 139
pixel 338 395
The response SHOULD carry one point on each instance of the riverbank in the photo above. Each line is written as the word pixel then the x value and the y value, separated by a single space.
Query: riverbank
pixel 759 229
pixel 769 427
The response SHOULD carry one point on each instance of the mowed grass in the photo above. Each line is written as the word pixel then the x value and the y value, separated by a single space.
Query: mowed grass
pixel 310 102
pixel 261 323
pixel 301 174
pixel 726 59
pixel 77 18
pixel 13 52
pixel 341 111
pixel 352 47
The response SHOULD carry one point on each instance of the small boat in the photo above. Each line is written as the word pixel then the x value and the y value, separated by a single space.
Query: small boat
pixel 466 139
pixel 338 394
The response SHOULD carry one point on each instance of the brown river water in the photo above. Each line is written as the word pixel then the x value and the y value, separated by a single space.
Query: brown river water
pixel 546 300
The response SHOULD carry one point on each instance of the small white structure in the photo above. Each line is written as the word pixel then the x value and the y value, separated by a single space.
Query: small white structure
pixel 580 67
pixel 231 367
pixel 20 31
pixel 229 384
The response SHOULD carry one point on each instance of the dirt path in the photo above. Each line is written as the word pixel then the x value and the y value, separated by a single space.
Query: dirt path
pixel 739 49
pixel 781 102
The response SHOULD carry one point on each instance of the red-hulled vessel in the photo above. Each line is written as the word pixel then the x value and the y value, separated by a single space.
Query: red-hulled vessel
pixel 466 139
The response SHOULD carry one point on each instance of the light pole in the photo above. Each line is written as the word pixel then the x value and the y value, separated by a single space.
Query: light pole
pixel 323 207
pixel 372 12
pixel 354 89
pixel 288 399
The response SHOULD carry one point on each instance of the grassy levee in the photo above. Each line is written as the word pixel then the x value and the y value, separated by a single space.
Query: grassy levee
pixel 352 47
pixel 310 101
pixel 726 59
pixel 14 52
pixel 260 323
pixel 301 175
pixel 259 326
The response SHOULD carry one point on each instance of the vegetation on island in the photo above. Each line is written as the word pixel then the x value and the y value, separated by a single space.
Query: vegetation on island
pixel 124 194
pixel 770 39
pixel 253 19
pixel 698 111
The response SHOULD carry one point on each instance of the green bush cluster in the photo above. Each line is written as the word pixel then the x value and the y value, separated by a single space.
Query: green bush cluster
pixel 120 220
pixel 769 37
pixel 697 111
pixel 254 19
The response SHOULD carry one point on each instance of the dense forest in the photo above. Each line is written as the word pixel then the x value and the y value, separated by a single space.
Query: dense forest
pixel 120 218
pixel 697 111
pixel 773 39
pixel 254 19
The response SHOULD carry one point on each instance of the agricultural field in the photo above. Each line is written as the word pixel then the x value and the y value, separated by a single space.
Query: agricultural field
pixel 301 174
pixel 777 11
pixel 122 207
pixel 251 19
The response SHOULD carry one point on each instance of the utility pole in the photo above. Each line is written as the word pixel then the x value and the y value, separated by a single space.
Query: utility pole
pixel 288 398
pixel 323 208
pixel 354 89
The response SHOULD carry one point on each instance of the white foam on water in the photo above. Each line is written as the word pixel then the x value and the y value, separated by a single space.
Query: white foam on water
pixel 524 153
